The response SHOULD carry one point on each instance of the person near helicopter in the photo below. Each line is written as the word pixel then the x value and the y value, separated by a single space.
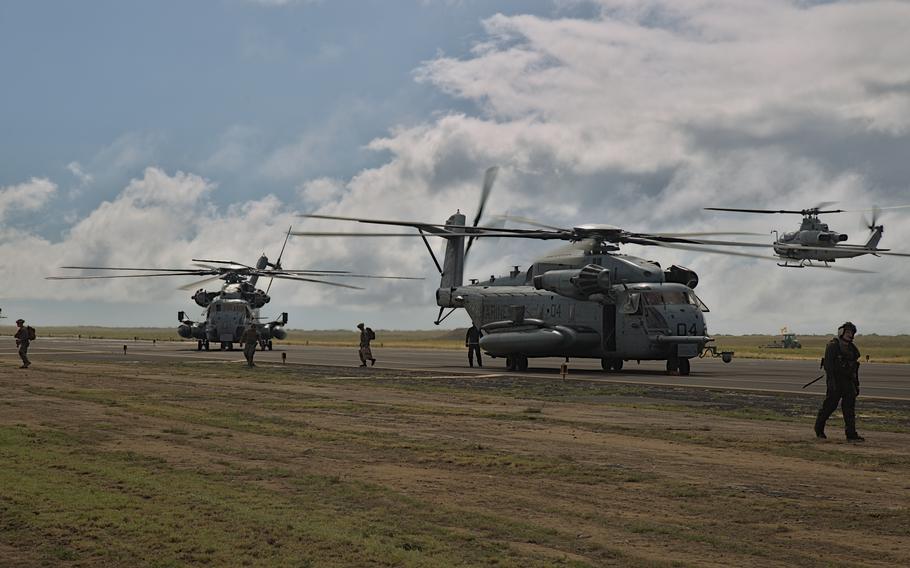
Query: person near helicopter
pixel 250 339
pixel 472 342
pixel 366 354
pixel 841 364
pixel 22 341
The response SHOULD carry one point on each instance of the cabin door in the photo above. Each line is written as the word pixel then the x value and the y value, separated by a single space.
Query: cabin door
pixel 608 338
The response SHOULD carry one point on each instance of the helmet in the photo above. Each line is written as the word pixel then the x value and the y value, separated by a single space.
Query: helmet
pixel 845 326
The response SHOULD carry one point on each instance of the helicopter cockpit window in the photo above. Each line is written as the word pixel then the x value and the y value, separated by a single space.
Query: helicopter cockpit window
pixel 653 298
pixel 696 301
pixel 675 297
pixel 632 304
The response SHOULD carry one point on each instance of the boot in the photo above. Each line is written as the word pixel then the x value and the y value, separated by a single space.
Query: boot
pixel 820 429
pixel 854 437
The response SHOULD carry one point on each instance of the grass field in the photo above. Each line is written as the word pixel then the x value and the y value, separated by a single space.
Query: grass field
pixel 880 348
pixel 212 464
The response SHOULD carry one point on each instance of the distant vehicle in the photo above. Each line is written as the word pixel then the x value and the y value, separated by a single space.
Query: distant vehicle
pixel 788 341
pixel 814 244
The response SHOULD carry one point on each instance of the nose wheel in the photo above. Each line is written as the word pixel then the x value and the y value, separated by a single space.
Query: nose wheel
pixel 676 365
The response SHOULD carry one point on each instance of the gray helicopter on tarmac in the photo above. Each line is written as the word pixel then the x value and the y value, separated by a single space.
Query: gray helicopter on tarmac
pixel 229 311
pixel 584 300
pixel 814 245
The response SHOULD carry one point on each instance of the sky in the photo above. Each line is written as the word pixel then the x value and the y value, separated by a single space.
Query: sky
pixel 148 134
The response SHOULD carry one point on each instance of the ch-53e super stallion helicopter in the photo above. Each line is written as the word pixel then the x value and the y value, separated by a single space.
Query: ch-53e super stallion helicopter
pixel 229 311
pixel 814 245
pixel 584 300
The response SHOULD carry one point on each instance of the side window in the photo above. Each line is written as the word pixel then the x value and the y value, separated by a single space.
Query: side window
pixel 696 301
pixel 632 304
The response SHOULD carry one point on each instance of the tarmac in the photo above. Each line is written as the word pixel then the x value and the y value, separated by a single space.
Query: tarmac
pixel 878 380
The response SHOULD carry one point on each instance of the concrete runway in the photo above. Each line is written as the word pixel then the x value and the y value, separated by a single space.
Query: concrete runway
pixel 890 381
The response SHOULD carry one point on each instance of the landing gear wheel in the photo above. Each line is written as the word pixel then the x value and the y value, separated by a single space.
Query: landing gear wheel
pixel 522 363
pixel 510 363
pixel 672 365
pixel 270 344
pixel 205 345
pixel 230 346
pixel 606 363
pixel 684 367
pixel 223 345
pixel 199 345
pixel 617 365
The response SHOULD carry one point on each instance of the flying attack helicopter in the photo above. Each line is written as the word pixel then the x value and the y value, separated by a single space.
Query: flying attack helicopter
pixel 229 311
pixel 584 300
pixel 814 242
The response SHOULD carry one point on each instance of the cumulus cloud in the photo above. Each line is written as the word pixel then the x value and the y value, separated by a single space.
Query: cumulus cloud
pixel 161 220
pixel 648 112
pixel 29 196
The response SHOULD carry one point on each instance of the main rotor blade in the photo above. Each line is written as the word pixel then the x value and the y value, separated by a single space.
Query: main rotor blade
pixel 476 232
pixel 811 211
pixel 121 276
pixel 372 276
pixel 304 271
pixel 283 277
pixel 223 262
pixel 278 262
pixel 527 221
pixel 193 285
pixel 752 210
pixel 710 233
pixel 127 268
pixel 342 234
pixel 429 227
pixel 697 248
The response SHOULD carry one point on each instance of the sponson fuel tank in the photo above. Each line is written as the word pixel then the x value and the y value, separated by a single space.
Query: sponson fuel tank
pixel 535 339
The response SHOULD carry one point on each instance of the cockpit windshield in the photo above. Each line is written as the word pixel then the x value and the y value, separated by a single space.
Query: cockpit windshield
pixel 666 297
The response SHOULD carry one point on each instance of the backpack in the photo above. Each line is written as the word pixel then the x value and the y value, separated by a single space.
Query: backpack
pixel 31 333
pixel 371 334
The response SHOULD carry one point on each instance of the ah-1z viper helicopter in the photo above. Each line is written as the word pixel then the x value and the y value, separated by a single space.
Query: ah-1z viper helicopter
pixel 585 300
pixel 229 311
pixel 814 242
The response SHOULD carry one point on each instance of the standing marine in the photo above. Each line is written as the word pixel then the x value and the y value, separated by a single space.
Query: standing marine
pixel 22 341
pixel 472 342
pixel 250 339
pixel 841 363
pixel 366 354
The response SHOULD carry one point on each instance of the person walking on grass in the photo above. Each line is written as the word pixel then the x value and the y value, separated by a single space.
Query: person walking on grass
pixel 23 337
pixel 250 339
pixel 366 336
pixel 841 363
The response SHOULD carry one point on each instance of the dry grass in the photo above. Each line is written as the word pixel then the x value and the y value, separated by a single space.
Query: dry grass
pixel 218 465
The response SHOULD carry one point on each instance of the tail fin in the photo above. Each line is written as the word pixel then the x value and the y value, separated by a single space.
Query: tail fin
pixel 453 265
pixel 875 237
